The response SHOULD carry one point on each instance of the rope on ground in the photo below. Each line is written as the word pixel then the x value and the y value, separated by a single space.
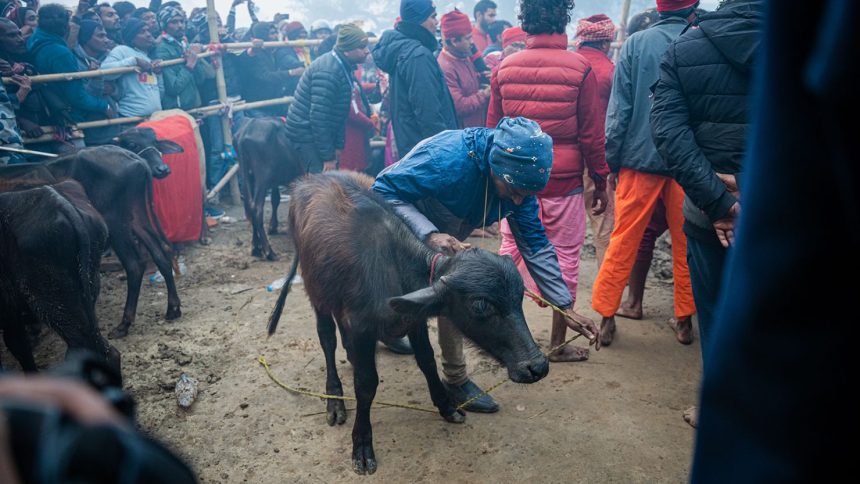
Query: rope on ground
pixel 325 396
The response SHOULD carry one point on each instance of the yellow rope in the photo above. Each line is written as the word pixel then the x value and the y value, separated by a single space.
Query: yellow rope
pixel 324 396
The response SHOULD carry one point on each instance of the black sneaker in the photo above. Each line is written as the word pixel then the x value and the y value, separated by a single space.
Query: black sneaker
pixel 467 391
pixel 400 346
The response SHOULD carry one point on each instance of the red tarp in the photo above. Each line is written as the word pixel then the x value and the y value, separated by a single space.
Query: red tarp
pixel 179 197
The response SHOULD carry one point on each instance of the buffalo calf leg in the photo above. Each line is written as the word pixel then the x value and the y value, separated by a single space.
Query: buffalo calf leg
pixel 276 201
pixel 128 255
pixel 366 381
pixel 420 341
pixel 335 409
pixel 265 250
pixel 164 263
pixel 15 337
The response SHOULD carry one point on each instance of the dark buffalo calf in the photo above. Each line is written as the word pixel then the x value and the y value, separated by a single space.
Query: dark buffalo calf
pixel 51 241
pixel 365 271
pixel 268 161
pixel 118 182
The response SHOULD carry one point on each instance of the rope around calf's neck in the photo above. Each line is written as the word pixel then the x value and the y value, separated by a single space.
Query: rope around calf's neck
pixel 301 391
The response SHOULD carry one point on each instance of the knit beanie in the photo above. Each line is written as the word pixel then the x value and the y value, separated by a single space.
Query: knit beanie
pixel 416 11
pixel 292 29
pixel 513 34
pixel 350 37
pixel 521 154
pixel 166 14
pixel 130 29
pixel 88 28
pixel 673 5
pixel 455 24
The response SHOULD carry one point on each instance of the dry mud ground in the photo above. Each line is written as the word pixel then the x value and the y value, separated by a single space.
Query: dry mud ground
pixel 614 418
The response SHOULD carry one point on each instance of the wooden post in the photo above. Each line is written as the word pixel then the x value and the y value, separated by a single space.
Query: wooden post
pixel 222 93
pixel 622 34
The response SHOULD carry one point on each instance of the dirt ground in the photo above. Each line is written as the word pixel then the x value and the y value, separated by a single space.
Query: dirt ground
pixel 614 418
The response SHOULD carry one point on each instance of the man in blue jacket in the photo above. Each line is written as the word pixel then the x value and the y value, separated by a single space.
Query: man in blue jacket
pixel 457 181
pixel 51 55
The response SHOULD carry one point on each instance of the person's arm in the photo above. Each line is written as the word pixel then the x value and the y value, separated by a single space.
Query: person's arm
pixel 322 117
pixel 426 105
pixel 620 109
pixel 495 113
pixel 231 16
pixel 591 131
pixel 176 78
pixel 676 143
pixel 119 56
pixel 74 92
pixel 409 181
pixel 463 104
pixel 538 253
pixel 251 12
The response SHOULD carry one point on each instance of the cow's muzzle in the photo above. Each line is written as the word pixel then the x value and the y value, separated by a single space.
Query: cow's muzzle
pixel 161 171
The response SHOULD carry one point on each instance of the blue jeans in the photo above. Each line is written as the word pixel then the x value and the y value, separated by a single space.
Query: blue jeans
pixel 705 260
pixel 216 164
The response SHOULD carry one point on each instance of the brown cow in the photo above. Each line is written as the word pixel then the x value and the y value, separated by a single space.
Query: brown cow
pixel 51 241
pixel 365 271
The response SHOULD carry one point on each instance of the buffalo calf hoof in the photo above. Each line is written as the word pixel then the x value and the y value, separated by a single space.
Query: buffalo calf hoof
pixel 363 459
pixel 458 417
pixel 273 231
pixel 335 412
pixel 118 332
pixel 205 240
pixel 257 252
pixel 272 256
pixel 173 313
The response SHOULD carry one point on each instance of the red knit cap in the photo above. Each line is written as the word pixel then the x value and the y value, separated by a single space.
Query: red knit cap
pixel 672 5
pixel 513 34
pixel 293 27
pixel 456 24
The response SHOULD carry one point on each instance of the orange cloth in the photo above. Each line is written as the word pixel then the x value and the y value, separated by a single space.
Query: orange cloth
pixel 635 199
pixel 178 198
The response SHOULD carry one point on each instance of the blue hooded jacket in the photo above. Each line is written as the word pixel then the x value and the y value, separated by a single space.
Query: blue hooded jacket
pixel 442 185
pixel 51 55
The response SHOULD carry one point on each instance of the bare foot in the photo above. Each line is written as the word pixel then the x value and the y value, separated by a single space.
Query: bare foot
pixel 569 353
pixel 629 311
pixel 607 330
pixel 683 329
pixel 691 416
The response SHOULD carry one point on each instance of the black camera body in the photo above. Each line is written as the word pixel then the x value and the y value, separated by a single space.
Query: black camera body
pixel 49 446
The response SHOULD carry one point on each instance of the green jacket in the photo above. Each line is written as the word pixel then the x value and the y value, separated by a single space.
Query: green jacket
pixel 180 83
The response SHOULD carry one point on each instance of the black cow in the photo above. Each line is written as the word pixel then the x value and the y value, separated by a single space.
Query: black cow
pixel 51 241
pixel 366 271
pixel 118 182
pixel 268 161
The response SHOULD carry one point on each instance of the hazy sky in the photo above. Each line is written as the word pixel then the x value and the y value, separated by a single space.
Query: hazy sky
pixel 380 14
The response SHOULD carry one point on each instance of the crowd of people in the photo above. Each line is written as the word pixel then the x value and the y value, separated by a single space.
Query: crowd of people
pixel 650 142
pixel 492 129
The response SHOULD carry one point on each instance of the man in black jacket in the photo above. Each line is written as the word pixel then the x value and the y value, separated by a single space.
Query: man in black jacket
pixel 317 117
pixel 699 120
pixel 421 105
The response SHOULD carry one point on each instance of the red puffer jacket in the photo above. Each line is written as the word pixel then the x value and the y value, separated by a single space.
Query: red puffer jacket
pixel 556 88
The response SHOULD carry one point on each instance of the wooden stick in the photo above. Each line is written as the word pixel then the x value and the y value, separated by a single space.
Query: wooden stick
pixel 27 152
pixel 70 76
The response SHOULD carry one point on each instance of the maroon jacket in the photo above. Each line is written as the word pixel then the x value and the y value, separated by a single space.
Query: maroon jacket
pixel 558 89
pixel 603 68
pixel 465 86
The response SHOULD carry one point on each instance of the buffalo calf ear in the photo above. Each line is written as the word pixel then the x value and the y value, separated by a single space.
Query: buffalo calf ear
pixel 167 147
pixel 423 302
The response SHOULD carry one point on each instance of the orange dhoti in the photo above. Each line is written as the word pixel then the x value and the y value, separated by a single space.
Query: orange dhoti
pixel 635 198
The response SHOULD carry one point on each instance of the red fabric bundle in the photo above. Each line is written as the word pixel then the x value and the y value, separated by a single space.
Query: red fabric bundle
pixel 179 197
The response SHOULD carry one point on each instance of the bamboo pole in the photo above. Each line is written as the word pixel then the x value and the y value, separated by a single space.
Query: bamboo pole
pixel 27 152
pixel 70 76
pixel 622 34
pixel 221 84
